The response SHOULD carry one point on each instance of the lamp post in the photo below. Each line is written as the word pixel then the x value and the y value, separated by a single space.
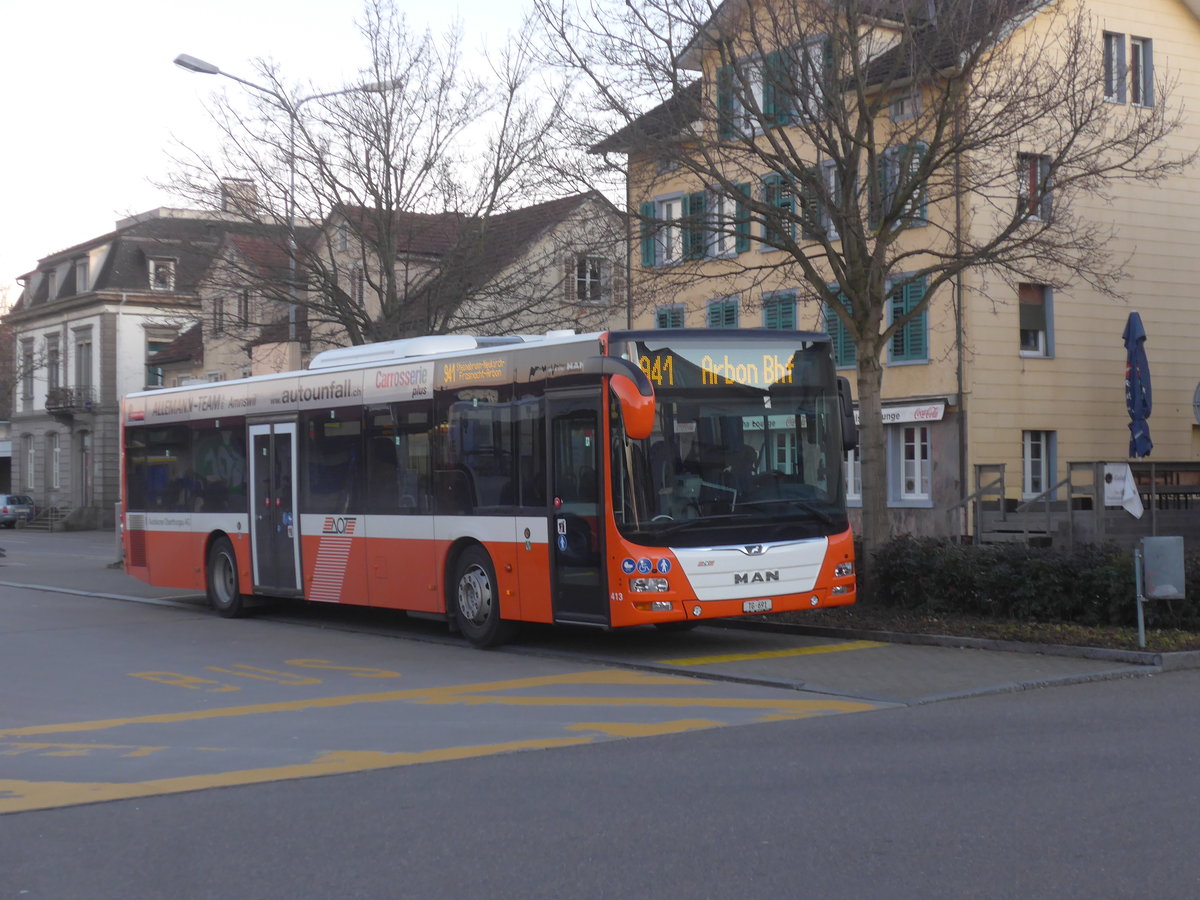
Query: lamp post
pixel 193 64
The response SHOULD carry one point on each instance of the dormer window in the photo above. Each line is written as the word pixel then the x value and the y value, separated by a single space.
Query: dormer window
pixel 51 284
pixel 162 274
pixel 81 275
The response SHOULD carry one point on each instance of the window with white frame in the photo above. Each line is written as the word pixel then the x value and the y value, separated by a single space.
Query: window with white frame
pixel 592 280
pixel 54 452
pixel 162 274
pixel 669 240
pixel 53 362
pixel 910 464
pixel 218 315
pixel 906 105
pixel 243 310
pixel 853 464
pixel 723 225
pixel 51 284
pixel 831 195
pixel 1033 186
pixel 1037 462
pixel 30 461
pixel 812 67
pixel 83 358
pixel 26 375
pixel 899 179
pixel 81 275
pixel 1141 71
pixel 1033 301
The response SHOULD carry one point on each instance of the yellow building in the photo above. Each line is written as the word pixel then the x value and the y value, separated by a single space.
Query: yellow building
pixel 738 186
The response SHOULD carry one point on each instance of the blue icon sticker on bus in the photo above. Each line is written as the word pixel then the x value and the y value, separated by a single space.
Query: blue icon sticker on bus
pixel 644 566
pixel 628 565
pixel 562 542
pixel 664 566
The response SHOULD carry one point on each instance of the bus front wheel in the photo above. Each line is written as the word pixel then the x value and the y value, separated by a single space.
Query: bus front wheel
pixel 224 591
pixel 477 599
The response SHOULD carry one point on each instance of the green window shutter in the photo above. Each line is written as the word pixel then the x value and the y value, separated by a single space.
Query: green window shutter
pixel 877 191
pixel 725 101
pixel 844 352
pixel 668 317
pixel 723 313
pixel 777 91
pixel 779 311
pixel 810 206
pixel 695 235
pixel 647 233
pixel 741 226
pixel 910 343
pixel 778 194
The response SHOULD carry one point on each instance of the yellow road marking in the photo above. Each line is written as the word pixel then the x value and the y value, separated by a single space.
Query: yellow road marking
pixel 770 654
pixel 652 729
pixel 432 694
pixel 804 707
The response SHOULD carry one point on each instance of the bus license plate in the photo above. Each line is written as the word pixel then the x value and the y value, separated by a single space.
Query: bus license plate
pixel 756 606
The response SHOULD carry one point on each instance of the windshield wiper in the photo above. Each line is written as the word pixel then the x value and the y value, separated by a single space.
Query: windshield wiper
pixel 806 505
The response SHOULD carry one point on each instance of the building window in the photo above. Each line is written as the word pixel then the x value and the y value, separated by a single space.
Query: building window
pixel 779 310
pixel 911 342
pixel 593 280
pixel 722 313
pixel 30 460
pixel 1035 320
pixel 357 285
pixel 54 453
pixel 1037 462
pixel 53 362
pixel 81 275
pixel 343 237
pixel 162 274
pixel 906 105
pixel 780 226
pixel 218 315
pixel 51 284
pixel 845 354
pixel 27 375
pixel 243 311
pixel 1141 71
pixel 156 341
pixel 831 195
pixel 1114 67
pixel 1033 187
pixel 669 316
pixel 909 464
pixel 83 358
pixel 853 476
pixel 900 177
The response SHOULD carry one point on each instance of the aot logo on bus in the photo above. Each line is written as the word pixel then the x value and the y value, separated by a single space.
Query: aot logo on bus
pixel 339 525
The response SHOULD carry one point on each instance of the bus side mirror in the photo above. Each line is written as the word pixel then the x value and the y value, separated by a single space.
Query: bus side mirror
pixel 849 426
pixel 637 410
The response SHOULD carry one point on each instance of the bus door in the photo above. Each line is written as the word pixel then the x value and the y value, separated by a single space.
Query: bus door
pixel 274 530
pixel 579 591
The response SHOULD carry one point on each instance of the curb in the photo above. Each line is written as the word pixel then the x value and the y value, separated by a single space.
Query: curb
pixel 1166 662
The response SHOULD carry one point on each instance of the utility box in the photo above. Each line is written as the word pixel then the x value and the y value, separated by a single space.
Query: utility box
pixel 1163 561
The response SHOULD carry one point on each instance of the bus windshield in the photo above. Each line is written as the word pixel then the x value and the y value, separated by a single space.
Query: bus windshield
pixel 746 446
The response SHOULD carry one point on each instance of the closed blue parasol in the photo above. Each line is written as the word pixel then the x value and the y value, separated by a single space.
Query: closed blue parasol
pixel 1137 387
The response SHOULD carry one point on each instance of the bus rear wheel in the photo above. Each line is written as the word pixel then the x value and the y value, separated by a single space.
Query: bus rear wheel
pixel 476 600
pixel 222 587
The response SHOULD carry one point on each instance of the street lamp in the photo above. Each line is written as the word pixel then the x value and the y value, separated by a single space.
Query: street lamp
pixel 194 64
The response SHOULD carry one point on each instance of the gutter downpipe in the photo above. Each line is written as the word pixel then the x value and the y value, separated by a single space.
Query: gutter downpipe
pixel 963 467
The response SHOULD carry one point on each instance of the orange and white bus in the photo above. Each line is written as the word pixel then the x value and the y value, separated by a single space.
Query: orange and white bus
pixel 616 479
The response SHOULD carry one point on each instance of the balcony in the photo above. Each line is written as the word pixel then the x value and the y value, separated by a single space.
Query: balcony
pixel 71 401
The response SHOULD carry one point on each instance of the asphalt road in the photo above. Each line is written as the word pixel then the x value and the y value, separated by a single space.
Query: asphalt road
pixel 149 749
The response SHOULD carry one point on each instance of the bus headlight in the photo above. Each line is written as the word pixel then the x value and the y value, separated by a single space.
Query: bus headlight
pixel 648 585
pixel 842 570
pixel 841 589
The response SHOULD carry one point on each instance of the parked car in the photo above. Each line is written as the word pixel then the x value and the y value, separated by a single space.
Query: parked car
pixel 16 508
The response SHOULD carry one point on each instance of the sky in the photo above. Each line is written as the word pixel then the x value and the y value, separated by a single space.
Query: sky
pixel 90 100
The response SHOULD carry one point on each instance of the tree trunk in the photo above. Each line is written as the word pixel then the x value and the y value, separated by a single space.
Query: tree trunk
pixel 876 523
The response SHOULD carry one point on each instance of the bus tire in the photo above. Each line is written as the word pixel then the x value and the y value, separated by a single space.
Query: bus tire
pixel 476 599
pixel 224 592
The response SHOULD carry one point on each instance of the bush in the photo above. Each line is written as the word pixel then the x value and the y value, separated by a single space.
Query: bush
pixel 1088 585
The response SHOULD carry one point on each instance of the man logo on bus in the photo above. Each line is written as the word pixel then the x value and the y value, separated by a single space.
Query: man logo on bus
pixel 755 577
pixel 339 525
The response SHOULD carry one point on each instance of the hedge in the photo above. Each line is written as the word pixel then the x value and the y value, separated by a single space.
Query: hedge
pixel 1087 585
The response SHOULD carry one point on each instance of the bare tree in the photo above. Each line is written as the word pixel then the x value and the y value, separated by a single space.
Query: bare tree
pixel 387 193
pixel 879 144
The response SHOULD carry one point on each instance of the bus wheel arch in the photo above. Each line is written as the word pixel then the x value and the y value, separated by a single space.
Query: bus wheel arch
pixel 473 596
pixel 222 581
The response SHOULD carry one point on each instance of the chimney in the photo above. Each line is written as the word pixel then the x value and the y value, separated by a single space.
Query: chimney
pixel 238 195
